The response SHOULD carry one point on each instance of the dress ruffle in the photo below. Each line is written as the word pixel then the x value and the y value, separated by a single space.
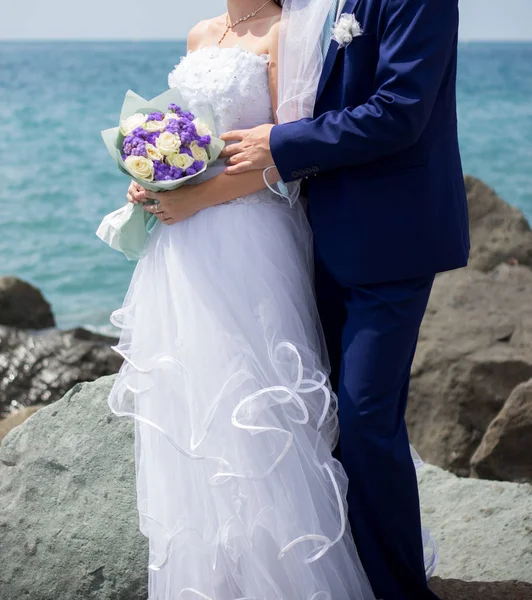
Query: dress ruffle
pixel 237 488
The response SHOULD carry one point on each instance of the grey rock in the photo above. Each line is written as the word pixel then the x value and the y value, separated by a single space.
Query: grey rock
pixel 483 528
pixel 454 589
pixel 505 452
pixel 68 520
pixel 39 368
pixel 23 306
pixel 474 349
pixel 70 531
pixel 499 232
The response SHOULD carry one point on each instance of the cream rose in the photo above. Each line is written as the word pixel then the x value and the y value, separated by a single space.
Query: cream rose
pixel 181 161
pixel 131 123
pixel 201 128
pixel 152 126
pixel 198 152
pixel 153 153
pixel 140 167
pixel 168 143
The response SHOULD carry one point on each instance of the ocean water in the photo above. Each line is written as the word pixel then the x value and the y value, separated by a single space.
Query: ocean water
pixel 57 181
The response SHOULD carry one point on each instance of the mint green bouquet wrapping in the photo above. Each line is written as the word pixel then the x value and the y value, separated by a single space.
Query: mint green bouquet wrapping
pixel 161 147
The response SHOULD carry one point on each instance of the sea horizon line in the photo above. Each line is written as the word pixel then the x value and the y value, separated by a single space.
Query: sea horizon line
pixel 183 40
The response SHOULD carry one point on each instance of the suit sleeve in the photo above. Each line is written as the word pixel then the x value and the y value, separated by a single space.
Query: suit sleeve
pixel 416 46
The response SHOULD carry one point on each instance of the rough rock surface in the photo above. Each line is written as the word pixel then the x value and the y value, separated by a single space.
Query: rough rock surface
pixel 499 231
pixel 41 368
pixel 483 528
pixel 68 519
pixel 69 522
pixel 23 306
pixel 505 451
pixel 475 347
pixel 454 589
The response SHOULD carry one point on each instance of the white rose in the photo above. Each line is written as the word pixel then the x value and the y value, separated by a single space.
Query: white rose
pixel 346 28
pixel 168 143
pixel 198 152
pixel 201 128
pixel 140 167
pixel 152 126
pixel 131 123
pixel 153 153
pixel 181 161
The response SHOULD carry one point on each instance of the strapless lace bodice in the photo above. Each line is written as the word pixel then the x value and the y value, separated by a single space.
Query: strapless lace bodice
pixel 232 82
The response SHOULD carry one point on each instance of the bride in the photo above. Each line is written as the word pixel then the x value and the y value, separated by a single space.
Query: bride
pixel 225 370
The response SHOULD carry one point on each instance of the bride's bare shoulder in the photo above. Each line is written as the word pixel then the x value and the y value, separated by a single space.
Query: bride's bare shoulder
pixel 205 33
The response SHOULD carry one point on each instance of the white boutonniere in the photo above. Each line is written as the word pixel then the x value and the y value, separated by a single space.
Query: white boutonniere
pixel 345 29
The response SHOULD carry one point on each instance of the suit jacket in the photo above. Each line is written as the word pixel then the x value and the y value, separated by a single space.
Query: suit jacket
pixel 386 192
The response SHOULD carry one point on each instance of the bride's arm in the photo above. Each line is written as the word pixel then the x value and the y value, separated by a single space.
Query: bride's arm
pixel 189 199
pixel 223 187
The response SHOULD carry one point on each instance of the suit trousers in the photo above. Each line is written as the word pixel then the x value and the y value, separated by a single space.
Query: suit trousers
pixel 371 333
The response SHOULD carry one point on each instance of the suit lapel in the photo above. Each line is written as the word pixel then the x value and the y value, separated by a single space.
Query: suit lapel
pixel 349 7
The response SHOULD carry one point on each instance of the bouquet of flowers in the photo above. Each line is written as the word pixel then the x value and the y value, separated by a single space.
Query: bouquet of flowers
pixel 161 146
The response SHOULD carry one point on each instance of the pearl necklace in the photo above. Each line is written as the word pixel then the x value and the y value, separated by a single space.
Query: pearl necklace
pixel 229 26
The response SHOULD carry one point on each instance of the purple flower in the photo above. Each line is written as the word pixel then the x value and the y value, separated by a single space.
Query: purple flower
pixel 161 170
pixel 186 138
pixel 155 116
pixel 134 145
pixel 139 150
pixel 139 132
pixel 185 150
pixel 176 173
pixel 178 111
pixel 151 138
pixel 175 109
pixel 197 165
pixel 173 126
pixel 204 141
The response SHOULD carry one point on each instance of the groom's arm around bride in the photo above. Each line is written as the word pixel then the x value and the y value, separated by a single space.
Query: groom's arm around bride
pixel 388 209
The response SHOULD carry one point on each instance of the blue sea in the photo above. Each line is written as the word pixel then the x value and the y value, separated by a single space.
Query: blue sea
pixel 57 181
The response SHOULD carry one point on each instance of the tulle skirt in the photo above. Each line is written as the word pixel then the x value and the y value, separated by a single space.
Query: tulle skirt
pixel 237 490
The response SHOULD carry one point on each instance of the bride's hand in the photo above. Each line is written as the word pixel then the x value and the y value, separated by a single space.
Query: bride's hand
pixel 133 193
pixel 174 206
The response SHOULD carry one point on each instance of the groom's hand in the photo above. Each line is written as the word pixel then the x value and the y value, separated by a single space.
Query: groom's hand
pixel 250 150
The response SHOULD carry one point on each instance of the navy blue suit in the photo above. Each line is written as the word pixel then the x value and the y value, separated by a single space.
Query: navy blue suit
pixel 388 208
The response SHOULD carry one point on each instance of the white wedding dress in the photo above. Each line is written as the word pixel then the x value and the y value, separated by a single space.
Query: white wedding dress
pixel 237 490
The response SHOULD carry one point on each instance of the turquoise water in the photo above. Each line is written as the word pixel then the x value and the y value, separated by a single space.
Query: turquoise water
pixel 58 181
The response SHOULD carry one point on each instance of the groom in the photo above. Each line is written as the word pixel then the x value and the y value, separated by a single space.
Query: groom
pixel 388 209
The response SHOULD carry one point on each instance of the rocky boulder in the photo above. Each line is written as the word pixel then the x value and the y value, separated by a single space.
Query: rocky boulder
pixel 499 232
pixel 474 349
pixel 23 306
pixel 482 528
pixel 454 589
pixel 68 520
pixel 39 368
pixel 69 525
pixel 504 452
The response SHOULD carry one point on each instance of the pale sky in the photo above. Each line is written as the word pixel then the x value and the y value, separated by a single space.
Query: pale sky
pixel 138 19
